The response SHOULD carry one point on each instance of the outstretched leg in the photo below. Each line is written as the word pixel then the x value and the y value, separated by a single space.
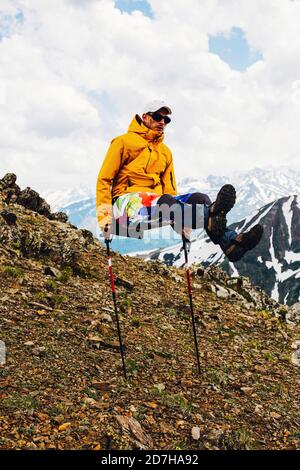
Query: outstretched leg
pixel 243 242
pixel 190 211
pixel 185 211
pixel 234 245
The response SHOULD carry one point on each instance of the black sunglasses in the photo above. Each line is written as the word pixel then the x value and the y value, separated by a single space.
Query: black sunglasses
pixel 158 117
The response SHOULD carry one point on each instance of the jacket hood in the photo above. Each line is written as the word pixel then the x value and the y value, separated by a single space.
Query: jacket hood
pixel 139 127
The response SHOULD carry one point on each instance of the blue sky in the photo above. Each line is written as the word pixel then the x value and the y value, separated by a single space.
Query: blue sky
pixel 129 6
pixel 8 21
pixel 234 49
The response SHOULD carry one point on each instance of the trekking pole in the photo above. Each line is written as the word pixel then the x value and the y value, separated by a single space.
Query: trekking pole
pixel 113 290
pixel 186 247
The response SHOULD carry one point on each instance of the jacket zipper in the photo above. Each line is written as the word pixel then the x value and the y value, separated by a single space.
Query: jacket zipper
pixel 148 158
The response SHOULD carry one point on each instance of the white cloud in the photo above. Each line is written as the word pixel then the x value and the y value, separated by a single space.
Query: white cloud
pixel 75 73
pixel 2 92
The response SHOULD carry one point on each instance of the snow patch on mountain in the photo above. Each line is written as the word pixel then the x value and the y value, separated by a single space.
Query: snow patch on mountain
pixel 288 214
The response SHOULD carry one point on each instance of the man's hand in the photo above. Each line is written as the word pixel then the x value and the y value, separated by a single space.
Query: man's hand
pixel 107 231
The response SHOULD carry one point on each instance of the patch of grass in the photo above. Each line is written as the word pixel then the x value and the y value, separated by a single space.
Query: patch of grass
pixel 53 411
pixel 66 274
pixel 180 445
pixel 12 272
pixel 140 413
pixel 132 366
pixel 218 377
pixel 164 354
pixel 15 244
pixel 51 285
pixel 239 439
pixel 56 300
pixel 171 311
pixel 268 357
pixel 231 333
pixel 40 296
pixel 20 402
pixel 124 301
pixel 263 313
pixel 229 417
pixel 146 355
pixel 32 221
pixel 3 373
pixel 28 431
pixel 253 344
pixel 175 400
pixel 278 389
pixel 65 317
pixel 91 393
pixel 85 272
pixel 135 322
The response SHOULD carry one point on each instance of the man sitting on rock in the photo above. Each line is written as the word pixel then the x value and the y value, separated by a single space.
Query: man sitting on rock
pixel 136 186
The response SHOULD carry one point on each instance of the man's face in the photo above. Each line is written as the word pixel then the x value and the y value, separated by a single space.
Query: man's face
pixel 157 126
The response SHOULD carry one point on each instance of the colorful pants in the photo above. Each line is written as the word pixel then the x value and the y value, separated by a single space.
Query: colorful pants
pixel 189 210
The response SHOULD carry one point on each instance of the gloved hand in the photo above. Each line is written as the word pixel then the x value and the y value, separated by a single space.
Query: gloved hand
pixel 106 231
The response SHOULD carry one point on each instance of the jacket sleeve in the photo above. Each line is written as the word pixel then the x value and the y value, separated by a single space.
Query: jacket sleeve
pixel 110 167
pixel 168 179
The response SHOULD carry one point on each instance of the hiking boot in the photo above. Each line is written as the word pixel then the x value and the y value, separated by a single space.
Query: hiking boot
pixel 244 242
pixel 216 224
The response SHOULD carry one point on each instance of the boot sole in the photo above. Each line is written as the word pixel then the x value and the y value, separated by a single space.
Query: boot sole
pixel 248 243
pixel 217 221
pixel 225 199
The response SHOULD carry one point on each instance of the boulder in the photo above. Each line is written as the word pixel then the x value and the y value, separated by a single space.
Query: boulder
pixel 54 272
pixel 33 201
pixel 293 313
pixel 8 181
pixel 9 189
pixel 9 217
pixel 60 216
pixel 222 293
pixel 87 235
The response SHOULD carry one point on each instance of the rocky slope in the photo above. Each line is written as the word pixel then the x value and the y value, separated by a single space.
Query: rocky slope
pixel 274 264
pixel 61 384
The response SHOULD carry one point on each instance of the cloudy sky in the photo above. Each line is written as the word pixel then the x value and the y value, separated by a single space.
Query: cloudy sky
pixel 74 72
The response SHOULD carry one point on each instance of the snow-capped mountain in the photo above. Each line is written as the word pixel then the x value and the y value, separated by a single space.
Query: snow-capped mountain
pixel 254 188
pixel 82 213
pixel 62 198
pixel 273 265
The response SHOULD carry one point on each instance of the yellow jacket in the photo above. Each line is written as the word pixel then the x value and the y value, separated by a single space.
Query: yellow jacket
pixel 137 161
